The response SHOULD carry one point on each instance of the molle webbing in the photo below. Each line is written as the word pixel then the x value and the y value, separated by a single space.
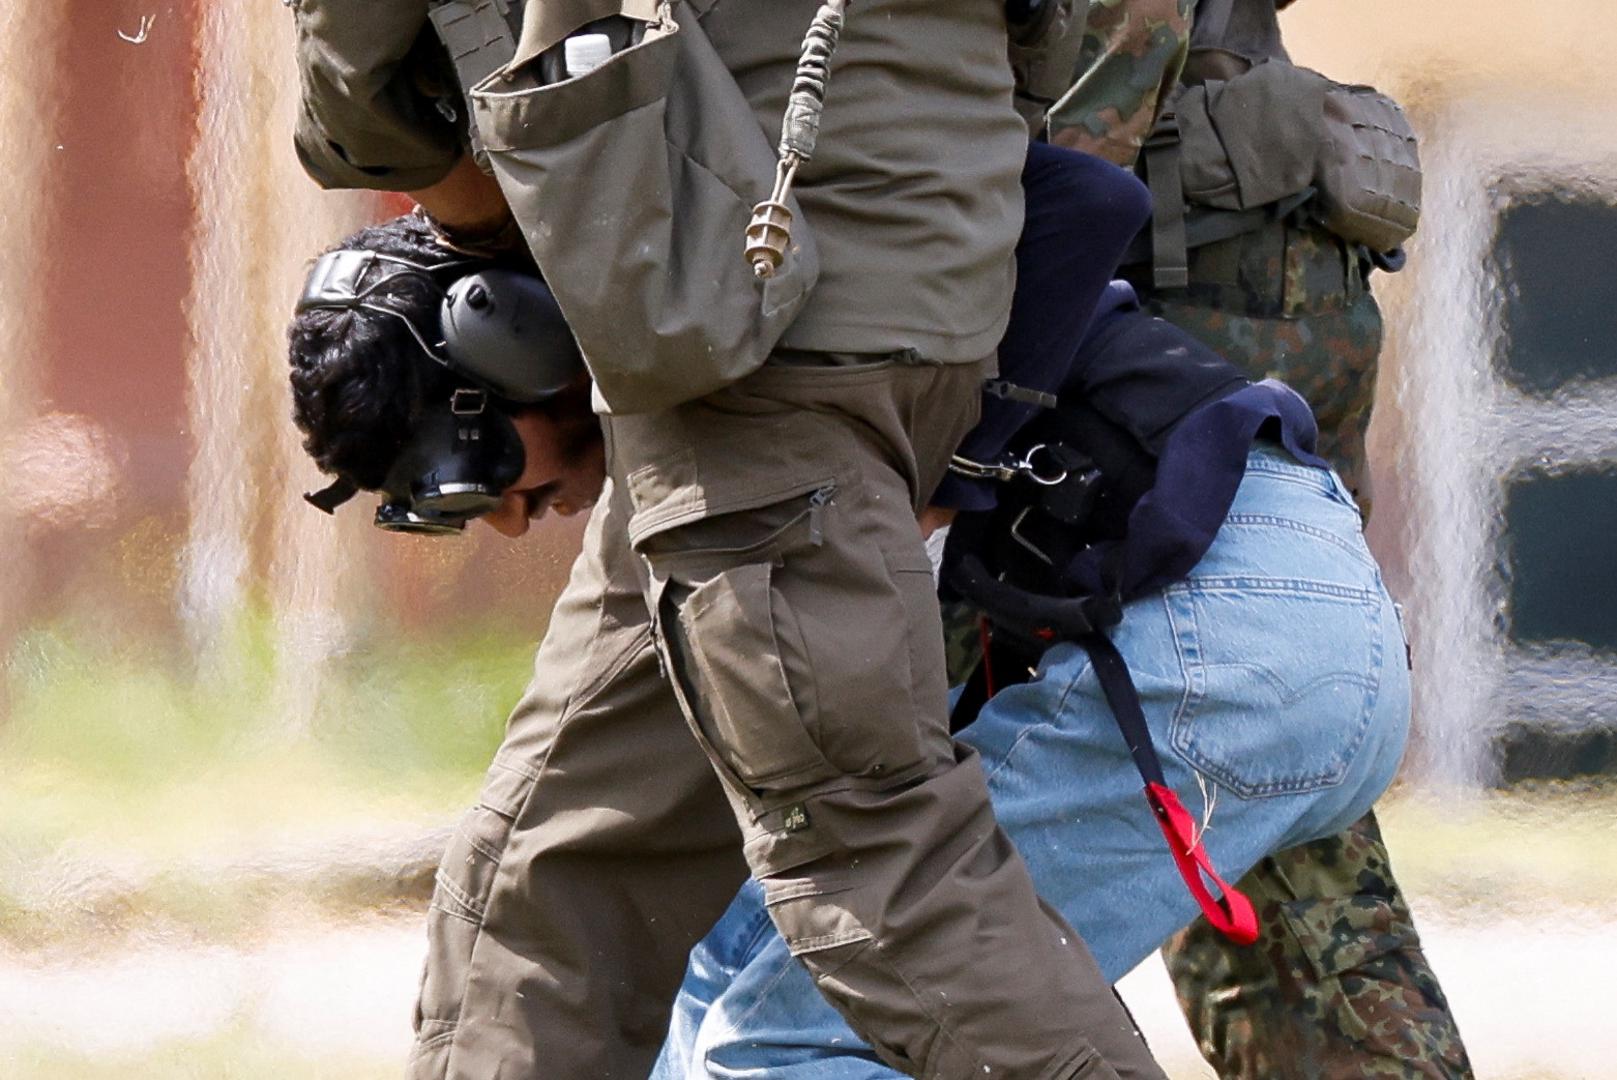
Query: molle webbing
pixel 480 35
pixel 1248 138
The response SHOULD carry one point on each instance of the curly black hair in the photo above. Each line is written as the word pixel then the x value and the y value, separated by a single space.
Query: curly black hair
pixel 358 380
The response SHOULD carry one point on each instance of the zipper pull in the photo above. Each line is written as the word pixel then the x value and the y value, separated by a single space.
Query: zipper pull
pixel 817 504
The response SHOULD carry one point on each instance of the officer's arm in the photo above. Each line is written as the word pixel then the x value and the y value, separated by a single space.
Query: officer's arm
pixel 1132 54
pixel 367 116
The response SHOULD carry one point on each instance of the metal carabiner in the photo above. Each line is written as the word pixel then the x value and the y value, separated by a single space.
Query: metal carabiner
pixel 1029 468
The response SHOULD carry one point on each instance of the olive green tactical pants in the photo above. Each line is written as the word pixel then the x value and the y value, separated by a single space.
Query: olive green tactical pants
pixel 600 850
pixel 773 533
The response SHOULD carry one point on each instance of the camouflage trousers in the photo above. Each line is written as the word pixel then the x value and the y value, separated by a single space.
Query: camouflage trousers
pixel 1336 988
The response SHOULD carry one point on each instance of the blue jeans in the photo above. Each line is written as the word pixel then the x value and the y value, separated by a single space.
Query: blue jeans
pixel 1275 685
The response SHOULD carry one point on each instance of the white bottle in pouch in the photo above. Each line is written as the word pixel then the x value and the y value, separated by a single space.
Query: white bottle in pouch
pixel 590 46
pixel 583 53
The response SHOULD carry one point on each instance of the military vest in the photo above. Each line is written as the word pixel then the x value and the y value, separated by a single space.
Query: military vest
pixel 1249 138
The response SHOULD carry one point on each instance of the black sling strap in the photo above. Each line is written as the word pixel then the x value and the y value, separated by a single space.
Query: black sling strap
pixel 1229 911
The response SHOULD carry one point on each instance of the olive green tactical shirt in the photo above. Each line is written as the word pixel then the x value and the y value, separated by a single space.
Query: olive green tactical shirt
pixel 913 194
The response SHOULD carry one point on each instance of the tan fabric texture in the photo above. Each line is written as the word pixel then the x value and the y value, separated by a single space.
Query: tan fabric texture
pixel 634 185
pixel 367 118
pixel 919 121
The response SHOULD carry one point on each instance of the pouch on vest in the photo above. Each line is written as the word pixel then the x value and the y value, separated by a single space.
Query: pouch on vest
pixel 633 184
pixel 1369 169
pixel 1278 130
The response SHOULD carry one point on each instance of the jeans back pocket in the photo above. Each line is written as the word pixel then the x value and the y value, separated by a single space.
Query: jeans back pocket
pixel 1281 680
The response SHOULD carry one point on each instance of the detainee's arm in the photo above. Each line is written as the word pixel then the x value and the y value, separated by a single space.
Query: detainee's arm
pixel 1132 55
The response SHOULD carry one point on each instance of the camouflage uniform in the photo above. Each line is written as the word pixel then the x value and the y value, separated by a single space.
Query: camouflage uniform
pixel 1132 54
pixel 1337 985
pixel 1289 303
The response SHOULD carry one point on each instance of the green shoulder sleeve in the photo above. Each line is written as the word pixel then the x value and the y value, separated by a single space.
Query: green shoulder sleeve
pixel 1132 55
pixel 371 78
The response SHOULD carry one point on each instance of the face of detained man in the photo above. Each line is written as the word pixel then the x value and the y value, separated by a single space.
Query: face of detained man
pixel 564 469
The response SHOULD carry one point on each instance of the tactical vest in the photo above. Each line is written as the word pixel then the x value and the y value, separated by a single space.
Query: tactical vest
pixel 1249 140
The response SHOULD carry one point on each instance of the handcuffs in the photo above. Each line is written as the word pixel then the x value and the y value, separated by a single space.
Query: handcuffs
pixel 1010 467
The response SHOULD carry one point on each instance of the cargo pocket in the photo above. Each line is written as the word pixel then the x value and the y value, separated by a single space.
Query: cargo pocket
pixel 797 641
pixel 459 900
pixel 1373 982
pixel 741 638
pixel 634 190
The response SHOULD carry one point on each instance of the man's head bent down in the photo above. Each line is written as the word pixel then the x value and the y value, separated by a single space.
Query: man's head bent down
pixel 363 383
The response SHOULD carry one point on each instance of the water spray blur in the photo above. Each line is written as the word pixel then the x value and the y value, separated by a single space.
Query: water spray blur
pixel 316 575
pixel 1513 107
pixel 27 71
pixel 258 220
pixel 1438 382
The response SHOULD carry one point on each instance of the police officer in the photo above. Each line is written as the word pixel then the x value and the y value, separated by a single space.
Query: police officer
pixel 1337 986
pixel 755 557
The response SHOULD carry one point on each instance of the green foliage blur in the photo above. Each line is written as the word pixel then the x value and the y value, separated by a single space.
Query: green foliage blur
pixel 142 751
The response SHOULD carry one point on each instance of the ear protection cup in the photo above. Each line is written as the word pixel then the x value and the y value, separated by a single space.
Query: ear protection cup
pixel 505 330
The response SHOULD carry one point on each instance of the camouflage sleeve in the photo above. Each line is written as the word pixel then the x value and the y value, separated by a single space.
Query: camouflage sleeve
pixel 364 120
pixel 1044 51
pixel 1132 54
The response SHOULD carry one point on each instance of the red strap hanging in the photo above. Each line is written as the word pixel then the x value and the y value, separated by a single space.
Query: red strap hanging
pixel 985 639
pixel 1231 913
